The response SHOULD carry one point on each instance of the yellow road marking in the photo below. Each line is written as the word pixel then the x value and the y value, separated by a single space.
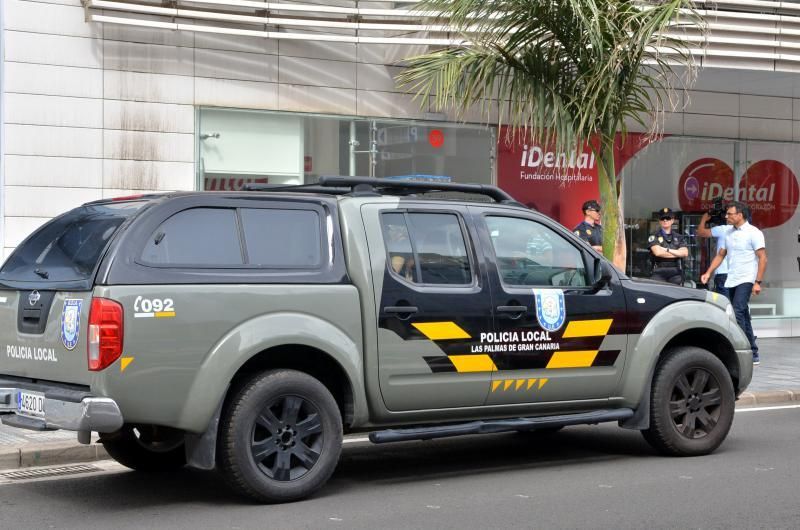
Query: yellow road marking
pixel 473 363
pixel 587 328
pixel 124 362
pixel 572 359
pixel 441 330
pixel 165 314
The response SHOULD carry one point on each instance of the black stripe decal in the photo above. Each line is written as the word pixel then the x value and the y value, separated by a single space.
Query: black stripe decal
pixel 440 364
pixel 606 358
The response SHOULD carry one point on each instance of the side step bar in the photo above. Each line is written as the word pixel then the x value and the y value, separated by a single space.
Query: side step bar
pixel 493 426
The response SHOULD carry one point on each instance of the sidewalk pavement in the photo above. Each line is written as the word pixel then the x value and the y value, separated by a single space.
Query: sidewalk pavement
pixel 775 380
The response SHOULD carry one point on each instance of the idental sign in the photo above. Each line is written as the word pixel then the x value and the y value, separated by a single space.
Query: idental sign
pixel 768 187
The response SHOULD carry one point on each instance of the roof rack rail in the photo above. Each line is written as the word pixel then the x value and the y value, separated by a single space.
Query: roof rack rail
pixel 363 185
pixel 360 186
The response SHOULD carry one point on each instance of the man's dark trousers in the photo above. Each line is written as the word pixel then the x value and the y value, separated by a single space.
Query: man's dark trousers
pixel 740 296
pixel 719 285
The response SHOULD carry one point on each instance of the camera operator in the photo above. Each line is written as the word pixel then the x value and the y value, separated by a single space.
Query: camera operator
pixel 716 216
pixel 667 249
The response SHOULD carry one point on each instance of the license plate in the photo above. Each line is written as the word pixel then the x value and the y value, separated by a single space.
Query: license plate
pixel 31 404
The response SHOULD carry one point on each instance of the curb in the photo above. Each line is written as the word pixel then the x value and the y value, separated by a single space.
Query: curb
pixel 768 398
pixel 65 453
pixel 50 454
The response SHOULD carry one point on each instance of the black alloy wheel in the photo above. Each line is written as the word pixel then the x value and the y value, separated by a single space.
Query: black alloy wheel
pixel 695 403
pixel 692 403
pixel 280 436
pixel 287 438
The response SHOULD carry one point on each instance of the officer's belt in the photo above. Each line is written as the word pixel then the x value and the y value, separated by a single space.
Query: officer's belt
pixel 666 265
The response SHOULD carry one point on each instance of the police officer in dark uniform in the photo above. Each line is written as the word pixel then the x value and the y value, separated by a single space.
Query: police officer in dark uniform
pixel 590 230
pixel 667 250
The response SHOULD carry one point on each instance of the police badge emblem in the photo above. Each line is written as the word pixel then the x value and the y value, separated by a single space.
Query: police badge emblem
pixel 71 323
pixel 660 239
pixel 550 309
pixel 651 239
pixel 588 231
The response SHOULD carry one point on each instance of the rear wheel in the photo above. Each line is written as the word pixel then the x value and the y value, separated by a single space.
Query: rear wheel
pixel 146 448
pixel 280 437
pixel 692 403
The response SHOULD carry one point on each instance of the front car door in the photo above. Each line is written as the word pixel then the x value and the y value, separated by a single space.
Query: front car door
pixel 556 338
pixel 433 300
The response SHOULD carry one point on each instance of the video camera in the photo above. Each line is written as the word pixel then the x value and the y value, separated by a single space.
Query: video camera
pixel 716 214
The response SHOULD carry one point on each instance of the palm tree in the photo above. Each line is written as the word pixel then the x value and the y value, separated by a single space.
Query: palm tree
pixel 564 71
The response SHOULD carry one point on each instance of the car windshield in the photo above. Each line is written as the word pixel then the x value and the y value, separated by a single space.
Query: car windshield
pixel 69 247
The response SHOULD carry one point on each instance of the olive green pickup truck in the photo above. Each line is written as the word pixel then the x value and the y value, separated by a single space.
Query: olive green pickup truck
pixel 248 331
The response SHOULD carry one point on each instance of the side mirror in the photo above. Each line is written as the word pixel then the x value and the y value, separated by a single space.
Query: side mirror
pixel 601 274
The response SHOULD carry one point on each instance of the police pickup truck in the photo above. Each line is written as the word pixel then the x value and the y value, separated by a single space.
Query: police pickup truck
pixel 247 331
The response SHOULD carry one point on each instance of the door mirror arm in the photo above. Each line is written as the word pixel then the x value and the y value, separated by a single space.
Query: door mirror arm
pixel 601 274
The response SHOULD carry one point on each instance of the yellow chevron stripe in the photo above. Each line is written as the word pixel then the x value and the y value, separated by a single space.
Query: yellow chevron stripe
pixel 441 330
pixel 495 384
pixel 520 382
pixel 587 328
pixel 542 382
pixel 473 363
pixel 507 384
pixel 530 383
pixel 572 359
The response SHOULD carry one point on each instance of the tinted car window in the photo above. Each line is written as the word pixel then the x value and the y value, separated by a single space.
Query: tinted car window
pixel 427 248
pixel 282 238
pixel 529 253
pixel 199 237
pixel 70 246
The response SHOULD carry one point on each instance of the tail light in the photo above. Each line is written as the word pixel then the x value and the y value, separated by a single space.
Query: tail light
pixel 105 333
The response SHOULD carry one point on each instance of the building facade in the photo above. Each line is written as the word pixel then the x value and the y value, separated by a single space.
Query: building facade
pixel 106 98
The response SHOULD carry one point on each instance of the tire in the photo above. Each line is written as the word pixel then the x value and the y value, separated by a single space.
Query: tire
pixel 691 405
pixel 150 449
pixel 262 453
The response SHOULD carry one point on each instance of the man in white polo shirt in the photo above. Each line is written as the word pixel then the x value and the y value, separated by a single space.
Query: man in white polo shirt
pixel 747 261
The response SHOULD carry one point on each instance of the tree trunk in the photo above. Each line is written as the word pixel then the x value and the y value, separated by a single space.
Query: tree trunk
pixel 614 246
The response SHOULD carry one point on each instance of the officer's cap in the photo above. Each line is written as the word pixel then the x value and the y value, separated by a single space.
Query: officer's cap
pixel 666 213
pixel 593 205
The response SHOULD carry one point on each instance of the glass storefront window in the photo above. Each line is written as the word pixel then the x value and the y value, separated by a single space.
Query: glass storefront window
pixel 238 147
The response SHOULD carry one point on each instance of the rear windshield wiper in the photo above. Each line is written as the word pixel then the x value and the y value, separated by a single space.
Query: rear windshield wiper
pixel 41 272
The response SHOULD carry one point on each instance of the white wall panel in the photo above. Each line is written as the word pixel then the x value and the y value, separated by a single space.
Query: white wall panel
pixel 143 175
pixel 150 58
pixel 54 19
pixel 53 141
pixel 235 93
pixel 316 99
pixel 31 201
pixel 27 78
pixel 335 51
pixel 53 171
pixel 155 117
pixel 16 229
pixel 135 145
pixel 236 65
pixel 53 49
pixel 765 129
pixel 54 110
pixel 377 77
pixel 136 86
pixel 765 107
pixel 707 125
pixel 374 103
pixel 145 35
pixel 712 103
pixel 215 41
pixel 317 72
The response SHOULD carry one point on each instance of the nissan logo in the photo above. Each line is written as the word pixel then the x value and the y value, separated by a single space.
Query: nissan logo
pixel 34 297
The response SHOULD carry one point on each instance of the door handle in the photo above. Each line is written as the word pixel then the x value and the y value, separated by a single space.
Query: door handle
pixel 402 312
pixel 514 311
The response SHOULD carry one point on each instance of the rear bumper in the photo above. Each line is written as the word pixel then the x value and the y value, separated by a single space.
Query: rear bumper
pixel 69 410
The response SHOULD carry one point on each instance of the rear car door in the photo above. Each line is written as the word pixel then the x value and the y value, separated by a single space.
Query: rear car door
pixel 556 337
pixel 432 300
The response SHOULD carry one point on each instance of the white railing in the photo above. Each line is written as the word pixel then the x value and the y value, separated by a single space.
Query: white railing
pixel 765 34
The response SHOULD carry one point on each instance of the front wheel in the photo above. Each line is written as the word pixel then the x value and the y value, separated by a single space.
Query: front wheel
pixel 692 403
pixel 280 437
